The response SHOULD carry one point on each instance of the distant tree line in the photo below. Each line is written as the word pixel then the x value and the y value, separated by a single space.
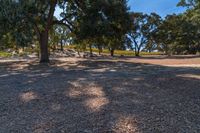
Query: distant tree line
pixel 101 24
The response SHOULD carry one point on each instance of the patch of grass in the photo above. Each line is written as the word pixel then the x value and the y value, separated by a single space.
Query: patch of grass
pixel 125 52
pixel 117 52
pixel 152 53
pixel 5 54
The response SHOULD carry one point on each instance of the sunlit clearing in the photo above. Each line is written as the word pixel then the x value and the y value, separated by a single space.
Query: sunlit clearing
pixel 189 76
pixel 93 96
pixel 95 91
pixel 75 84
pixel 74 93
pixel 96 104
pixel 28 96
pixel 99 100
pixel 19 66
pixel 126 125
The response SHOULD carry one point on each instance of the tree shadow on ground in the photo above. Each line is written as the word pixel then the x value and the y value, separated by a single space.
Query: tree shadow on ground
pixel 98 96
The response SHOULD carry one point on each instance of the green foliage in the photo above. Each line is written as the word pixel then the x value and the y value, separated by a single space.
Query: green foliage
pixel 5 54
pixel 179 34
pixel 99 24
pixel 11 14
pixel 143 30
pixel 103 22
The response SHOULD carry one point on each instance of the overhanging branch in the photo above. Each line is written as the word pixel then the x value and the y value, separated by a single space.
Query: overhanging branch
pixel 65 24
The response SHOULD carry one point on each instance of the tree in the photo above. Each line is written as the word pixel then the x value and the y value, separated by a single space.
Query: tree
pixel 189 3
pixel 64 35
pixel 154 21
pixel 139 31
pixel 38 16
pixel 59 35
pixel 103 22
pixel 87 20
pixel 11 27
pixel 178 35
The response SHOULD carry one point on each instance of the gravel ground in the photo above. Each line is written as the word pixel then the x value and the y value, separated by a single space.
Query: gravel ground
pixel 73 95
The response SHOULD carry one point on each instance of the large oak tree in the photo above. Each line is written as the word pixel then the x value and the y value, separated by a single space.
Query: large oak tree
pixel 37 17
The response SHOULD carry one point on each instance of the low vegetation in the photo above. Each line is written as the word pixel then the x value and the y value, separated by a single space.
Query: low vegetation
pixel 5 54
pixel 124 52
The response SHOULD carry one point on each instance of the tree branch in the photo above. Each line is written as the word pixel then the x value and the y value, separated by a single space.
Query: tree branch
pixel 51 13
pixel 62 23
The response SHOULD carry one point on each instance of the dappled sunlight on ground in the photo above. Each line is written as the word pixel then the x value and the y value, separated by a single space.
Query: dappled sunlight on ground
pixel 98 98
pixel 189 76
pixel 99 70
pixel 19 66
pixel 95 96
pixel 28 96
pixel 43 127
pixel 96 104
pixel 4 75
pixel 115 95
pixel 96 91
pixel 138 79
pixel 126 124
pixel 75 84
pixel 56 106
pixel 74 93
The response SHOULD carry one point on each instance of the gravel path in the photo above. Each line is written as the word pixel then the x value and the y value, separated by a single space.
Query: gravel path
pixel 99 96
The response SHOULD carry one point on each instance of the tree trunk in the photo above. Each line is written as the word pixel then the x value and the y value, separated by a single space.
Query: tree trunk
pixel 112 52
pixel 100 49
pixel 61 45
pixel 198 49
pixel 91 54
pixel 44 54
pixel 149 50
pixel 137 52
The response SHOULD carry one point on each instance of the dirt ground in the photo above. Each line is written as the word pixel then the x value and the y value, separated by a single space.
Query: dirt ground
pixel 101 95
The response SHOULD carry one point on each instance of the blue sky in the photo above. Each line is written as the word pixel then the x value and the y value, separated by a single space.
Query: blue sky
pixel 161 7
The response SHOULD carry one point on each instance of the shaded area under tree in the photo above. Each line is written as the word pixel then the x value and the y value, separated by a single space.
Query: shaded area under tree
pixel 98 96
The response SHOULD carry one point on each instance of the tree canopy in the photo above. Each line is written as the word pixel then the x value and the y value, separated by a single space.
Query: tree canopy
pixel 86 20
pixel 103 24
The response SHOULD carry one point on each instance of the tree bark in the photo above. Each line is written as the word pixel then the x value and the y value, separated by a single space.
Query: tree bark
pixel 137 52
pixel 44 54
pixel 112 52
pixel 61 45
pixel 100 49
pixel 44 35
pixel 91 54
